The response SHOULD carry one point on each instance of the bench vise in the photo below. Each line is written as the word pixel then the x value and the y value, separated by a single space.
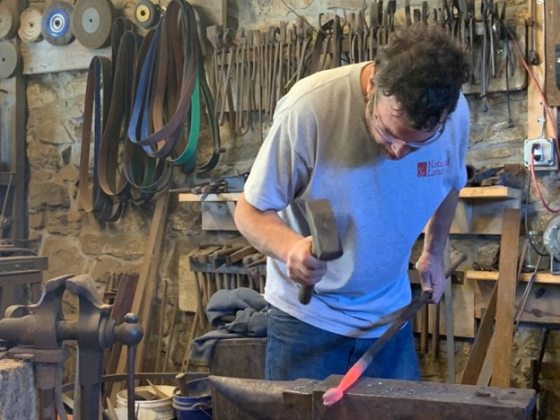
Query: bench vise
pixel 39 330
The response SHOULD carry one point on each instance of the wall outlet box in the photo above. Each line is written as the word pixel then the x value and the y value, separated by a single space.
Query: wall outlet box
pixel 542 152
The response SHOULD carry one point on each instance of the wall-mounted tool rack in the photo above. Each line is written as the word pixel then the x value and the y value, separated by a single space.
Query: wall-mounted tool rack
pixel 222 266
pixel 252 69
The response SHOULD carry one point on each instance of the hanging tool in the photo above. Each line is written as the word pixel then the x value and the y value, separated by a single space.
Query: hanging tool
pixel 470 18
pixel 326 242
pixel 374 23
pixel 425 12
pixel 334 395
pixel 484 54
pixel 532 56
pixel 408 18
pixel 501 32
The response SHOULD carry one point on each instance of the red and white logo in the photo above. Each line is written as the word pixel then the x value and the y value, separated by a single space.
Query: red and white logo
pixel 433 168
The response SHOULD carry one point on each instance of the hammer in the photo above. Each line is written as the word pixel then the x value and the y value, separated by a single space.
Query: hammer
pixel 325 245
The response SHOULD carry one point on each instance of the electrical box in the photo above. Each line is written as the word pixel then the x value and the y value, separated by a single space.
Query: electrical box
pixel 542 152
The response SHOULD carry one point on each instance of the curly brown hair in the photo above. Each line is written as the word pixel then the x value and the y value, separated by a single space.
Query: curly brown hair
pixel 424 69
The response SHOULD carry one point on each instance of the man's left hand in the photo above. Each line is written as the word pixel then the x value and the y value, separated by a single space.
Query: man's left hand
pixel 432 277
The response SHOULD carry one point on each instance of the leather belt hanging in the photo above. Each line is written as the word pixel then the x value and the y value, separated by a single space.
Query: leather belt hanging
pixel 148 175
pixel 111 176
pixel 120 26
pixel 92 21
pixel 173 64
pixel 98 88
pixel 57 23
pixel 30 24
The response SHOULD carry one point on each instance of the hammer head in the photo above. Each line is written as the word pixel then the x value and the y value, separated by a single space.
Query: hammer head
pixel 326 242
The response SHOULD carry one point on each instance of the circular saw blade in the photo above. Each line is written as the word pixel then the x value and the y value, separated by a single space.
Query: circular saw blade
pixel 30 25
pixel 7 22
pixel 57 23
pixel 146 14
pixel 9 59
pixel 92 21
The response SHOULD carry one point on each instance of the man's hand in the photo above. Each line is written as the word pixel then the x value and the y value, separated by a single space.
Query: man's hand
pixel 302 266
pixel 432 277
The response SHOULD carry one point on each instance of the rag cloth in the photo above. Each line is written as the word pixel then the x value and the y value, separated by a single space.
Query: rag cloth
pixel 232 313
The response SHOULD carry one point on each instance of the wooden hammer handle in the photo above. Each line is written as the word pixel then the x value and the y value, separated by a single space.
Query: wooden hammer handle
pixel 326 243
pixel 305 293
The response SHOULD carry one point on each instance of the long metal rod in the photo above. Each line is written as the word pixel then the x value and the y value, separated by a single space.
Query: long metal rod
pixel 130 383
pixel 334 395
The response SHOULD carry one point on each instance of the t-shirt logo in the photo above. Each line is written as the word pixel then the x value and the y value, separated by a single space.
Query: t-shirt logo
pixel 433 168
pixel 422 169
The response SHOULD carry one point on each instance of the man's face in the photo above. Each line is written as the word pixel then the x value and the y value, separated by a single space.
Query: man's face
pixel 388 127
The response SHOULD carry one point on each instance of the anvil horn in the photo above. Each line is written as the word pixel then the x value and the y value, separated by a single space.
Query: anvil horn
pixel 259 398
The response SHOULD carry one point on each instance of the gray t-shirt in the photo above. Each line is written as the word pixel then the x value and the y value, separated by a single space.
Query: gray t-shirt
pixel 319 148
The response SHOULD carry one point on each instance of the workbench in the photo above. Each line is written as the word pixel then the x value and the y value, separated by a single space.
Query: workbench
pixel 542 305
pixel 17 272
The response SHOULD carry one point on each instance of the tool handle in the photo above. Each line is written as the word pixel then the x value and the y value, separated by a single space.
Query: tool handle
pixel 305 293
pixel 325 245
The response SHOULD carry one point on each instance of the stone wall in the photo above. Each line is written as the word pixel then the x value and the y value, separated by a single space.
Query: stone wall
pixel 76 242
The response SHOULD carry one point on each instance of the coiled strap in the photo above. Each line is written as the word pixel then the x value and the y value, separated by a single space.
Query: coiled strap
pixel 173 63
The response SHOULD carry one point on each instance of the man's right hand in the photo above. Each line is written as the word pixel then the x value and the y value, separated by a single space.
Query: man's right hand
pixel 302 266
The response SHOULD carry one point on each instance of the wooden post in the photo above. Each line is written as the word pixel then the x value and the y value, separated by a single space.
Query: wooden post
pixel 18 399
pixel 482 350
pixel 148 279
pixel 535 109
pixel 505 304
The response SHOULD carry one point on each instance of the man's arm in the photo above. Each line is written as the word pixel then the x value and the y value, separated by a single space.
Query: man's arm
pixel 430 263
pixel 268 233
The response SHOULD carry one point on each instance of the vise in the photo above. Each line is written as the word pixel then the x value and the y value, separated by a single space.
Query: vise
pixel 373 398
pixel 38 331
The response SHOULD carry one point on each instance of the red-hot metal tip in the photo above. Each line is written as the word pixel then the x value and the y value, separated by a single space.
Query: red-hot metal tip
pixel 332 396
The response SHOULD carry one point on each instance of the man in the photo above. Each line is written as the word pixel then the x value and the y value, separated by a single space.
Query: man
pixel 385 143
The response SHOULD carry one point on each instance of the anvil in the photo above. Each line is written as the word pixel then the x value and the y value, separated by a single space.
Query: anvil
pixel 372 398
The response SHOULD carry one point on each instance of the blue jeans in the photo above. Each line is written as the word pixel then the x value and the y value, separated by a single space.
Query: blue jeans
pixel 298 350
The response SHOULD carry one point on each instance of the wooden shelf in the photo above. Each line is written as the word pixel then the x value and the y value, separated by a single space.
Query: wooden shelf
pixel 543 278
pixel 190 197
pixel 483 217
pixel 42 57
pixel 495 192
pixel 480 209
pixel 489 193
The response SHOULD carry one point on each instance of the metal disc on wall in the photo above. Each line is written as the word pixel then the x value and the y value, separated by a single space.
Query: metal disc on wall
pixel 92 21
pixel 30 25
pixel 146 14
pixel 551 236
pixel 8 59
pixel 7 24
pixel 57 24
